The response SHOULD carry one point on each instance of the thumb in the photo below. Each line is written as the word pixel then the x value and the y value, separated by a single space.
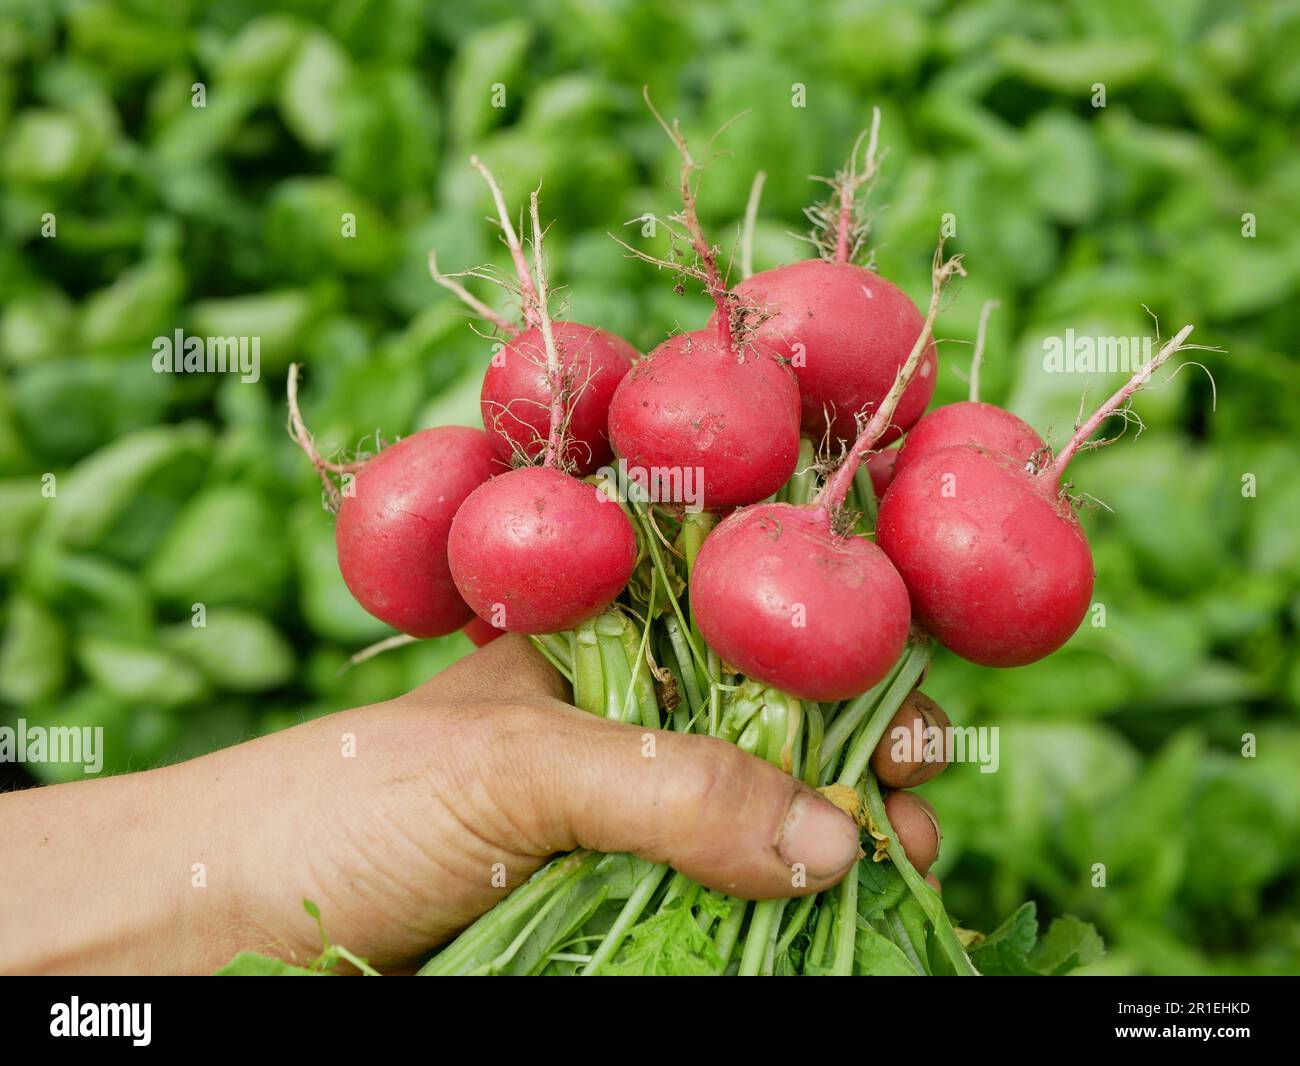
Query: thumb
pixel 720 816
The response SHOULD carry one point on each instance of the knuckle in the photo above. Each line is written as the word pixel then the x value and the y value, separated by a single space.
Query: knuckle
pixel 720 776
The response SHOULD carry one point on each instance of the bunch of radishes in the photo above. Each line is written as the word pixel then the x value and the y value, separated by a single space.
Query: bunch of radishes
pixel 769 616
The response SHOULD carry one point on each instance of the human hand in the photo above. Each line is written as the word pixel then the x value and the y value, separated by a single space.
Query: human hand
pixel 405 820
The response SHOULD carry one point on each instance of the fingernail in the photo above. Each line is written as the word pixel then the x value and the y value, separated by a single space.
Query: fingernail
pixel 819 835
pixel 934 821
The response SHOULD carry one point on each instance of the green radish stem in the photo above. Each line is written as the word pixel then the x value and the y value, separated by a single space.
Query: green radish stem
pixel 812 756
pixel 742 706
pixel 758 936
pixel 802 486
pixel 695 528
pixel 782 722
pixel 636 903
pixel 769 952
pixel 555 648
pixel 680 885
pixel 558 645
pixel 822 932
pixel 652 542
pixel 682 713
pixel 588 672
pixel 619 704
pixel 724 941
pixel 926 896
pixel 869 733
pixel 503 960
pixel 851 716
pixel 866 495
pixel 643 688
pixel 798 920
pixel 548 879
pixel 715 691
pixel 846 924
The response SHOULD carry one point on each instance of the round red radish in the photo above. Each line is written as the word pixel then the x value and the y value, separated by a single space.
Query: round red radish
pixel 846 332
pixel 393 524
pixel 782 599
pixel 516 397
pixel 881 466
pixel 539 551
pixel 481 633
pixel 694 404
pixel 984 425
pixel 995 561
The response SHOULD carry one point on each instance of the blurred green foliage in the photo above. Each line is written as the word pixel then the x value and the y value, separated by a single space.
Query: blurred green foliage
pixel 1123 749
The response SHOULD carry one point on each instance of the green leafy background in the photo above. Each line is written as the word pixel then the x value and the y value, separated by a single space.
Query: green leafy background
pixel 1123 749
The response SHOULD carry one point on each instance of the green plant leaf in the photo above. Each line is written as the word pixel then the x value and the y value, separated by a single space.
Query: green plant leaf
pixel 1068 944
pixel 672 942
pixel 251 964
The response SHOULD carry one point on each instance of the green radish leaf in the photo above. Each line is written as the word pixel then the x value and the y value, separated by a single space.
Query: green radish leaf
pixel 906 927
pixel 251 964
pixel 875 955
pixel 880 887
pixel 1003 952
pixel 560 924
pixel 1068 944
pixel 672 942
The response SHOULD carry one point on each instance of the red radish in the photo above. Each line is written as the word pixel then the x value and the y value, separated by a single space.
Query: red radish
pixel 708 400
pixel 394 517
pixel 392 528
pixel 881 466
pixel 983 425
pixel 978 424
pixel 995 561
pixel 516 398
pixel 694 404
pixel 994 558
pixel 539 551
pixel 846 332
pixel 784 598
pixel 481 633
pixel 535 550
